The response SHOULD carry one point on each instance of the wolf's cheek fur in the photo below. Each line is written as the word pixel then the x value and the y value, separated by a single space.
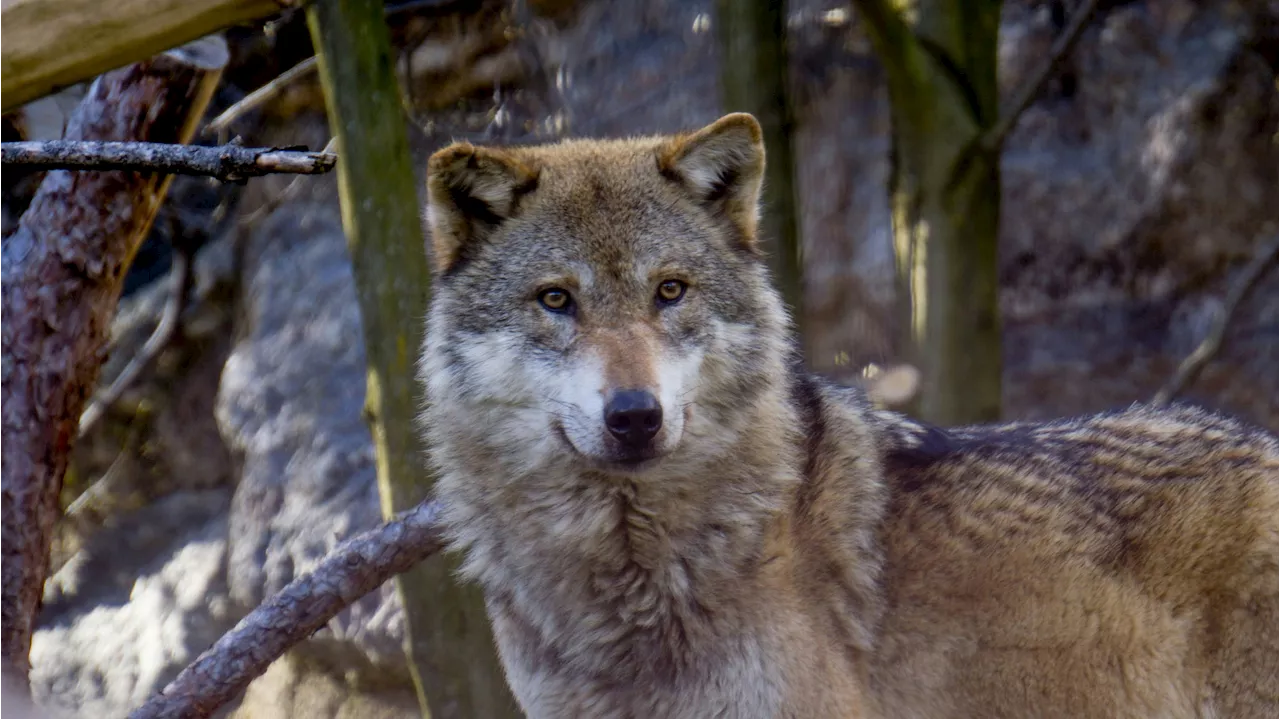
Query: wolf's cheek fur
pixel 571 392
pixel 487 378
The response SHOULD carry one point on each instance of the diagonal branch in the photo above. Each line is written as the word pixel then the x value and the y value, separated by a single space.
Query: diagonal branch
pixel 261 96
pixel 1212 343
pixel 994 138
pixel 352 570
pixel 229 163
pixel 269 91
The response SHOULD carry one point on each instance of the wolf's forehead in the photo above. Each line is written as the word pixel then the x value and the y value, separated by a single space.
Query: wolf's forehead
pixel 606 219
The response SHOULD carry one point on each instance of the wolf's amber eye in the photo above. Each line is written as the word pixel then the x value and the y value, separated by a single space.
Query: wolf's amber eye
pixel 670 291
pixel 555 299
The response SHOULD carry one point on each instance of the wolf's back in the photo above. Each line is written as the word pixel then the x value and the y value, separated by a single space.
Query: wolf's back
pixel 1147 535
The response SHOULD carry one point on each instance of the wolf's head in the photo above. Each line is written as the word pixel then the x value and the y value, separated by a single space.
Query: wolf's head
pixel 601 308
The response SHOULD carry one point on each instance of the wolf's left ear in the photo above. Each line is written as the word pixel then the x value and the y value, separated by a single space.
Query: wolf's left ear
pixel 470 192
pixel 722 165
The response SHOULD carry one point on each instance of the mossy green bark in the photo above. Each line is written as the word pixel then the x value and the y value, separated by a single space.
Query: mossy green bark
pixel 940 63
pixel 449 645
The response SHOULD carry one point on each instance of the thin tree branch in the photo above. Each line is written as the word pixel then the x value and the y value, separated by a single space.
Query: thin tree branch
pixel 352 570
pixel 276 200
pixel 1195 362
pixel 260 97
pixel 229 163
pixel 165 331
pixel 994 138
pixel 267 92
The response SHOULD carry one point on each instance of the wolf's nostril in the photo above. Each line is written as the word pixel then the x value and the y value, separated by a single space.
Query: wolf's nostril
pixel 633 417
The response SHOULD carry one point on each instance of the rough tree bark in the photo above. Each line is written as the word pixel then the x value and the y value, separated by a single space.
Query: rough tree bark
pixel 753 78
pixel 62 274
pixel 449 643
pixel 940 66
pixel 49 44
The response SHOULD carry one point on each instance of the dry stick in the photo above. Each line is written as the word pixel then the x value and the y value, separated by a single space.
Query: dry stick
pixel 225 162
pixel 276 200
pixel 166 329
pixel 352 570
pixel 1195 362
pixel 259 97
pixel 995 137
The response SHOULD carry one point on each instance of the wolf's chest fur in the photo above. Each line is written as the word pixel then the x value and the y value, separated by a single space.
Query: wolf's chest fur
pixel 641 629
pixel 647 621
pixel 668 520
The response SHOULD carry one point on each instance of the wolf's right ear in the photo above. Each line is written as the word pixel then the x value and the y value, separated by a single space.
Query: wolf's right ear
pixel 470 191
pixel 722 165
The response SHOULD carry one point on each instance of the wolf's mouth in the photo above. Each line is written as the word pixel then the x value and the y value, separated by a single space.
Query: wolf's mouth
pixel 629 463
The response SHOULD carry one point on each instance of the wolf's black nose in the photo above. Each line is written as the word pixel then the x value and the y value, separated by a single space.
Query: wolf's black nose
pixel 633 417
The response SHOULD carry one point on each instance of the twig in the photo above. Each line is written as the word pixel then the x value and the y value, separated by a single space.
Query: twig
pixel 276 200
pixel 225 162
pixel 259 97
pixel 352 570
pixel 166 329
pixel 992 139
pixel 1195 362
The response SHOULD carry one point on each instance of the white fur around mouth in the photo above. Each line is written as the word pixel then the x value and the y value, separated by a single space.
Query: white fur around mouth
pixel 606 464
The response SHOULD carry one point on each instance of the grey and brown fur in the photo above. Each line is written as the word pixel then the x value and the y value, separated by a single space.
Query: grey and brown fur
pixel 787 550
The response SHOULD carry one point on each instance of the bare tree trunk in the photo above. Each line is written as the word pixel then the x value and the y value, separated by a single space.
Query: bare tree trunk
pixel 62 273
pixel 448 641
pixel 753 78
pixel 940 66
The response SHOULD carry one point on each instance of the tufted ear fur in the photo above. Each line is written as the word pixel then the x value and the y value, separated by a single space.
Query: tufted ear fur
pixel 722 165
pixel 470 191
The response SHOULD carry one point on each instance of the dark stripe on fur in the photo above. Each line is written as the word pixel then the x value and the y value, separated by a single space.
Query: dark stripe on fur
pixel 807 399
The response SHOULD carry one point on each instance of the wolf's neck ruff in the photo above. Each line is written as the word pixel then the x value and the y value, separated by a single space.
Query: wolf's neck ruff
pixel 645 604
pixel 619 576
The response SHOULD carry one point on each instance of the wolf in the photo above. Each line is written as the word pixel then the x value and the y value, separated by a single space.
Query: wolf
pixel 670 518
